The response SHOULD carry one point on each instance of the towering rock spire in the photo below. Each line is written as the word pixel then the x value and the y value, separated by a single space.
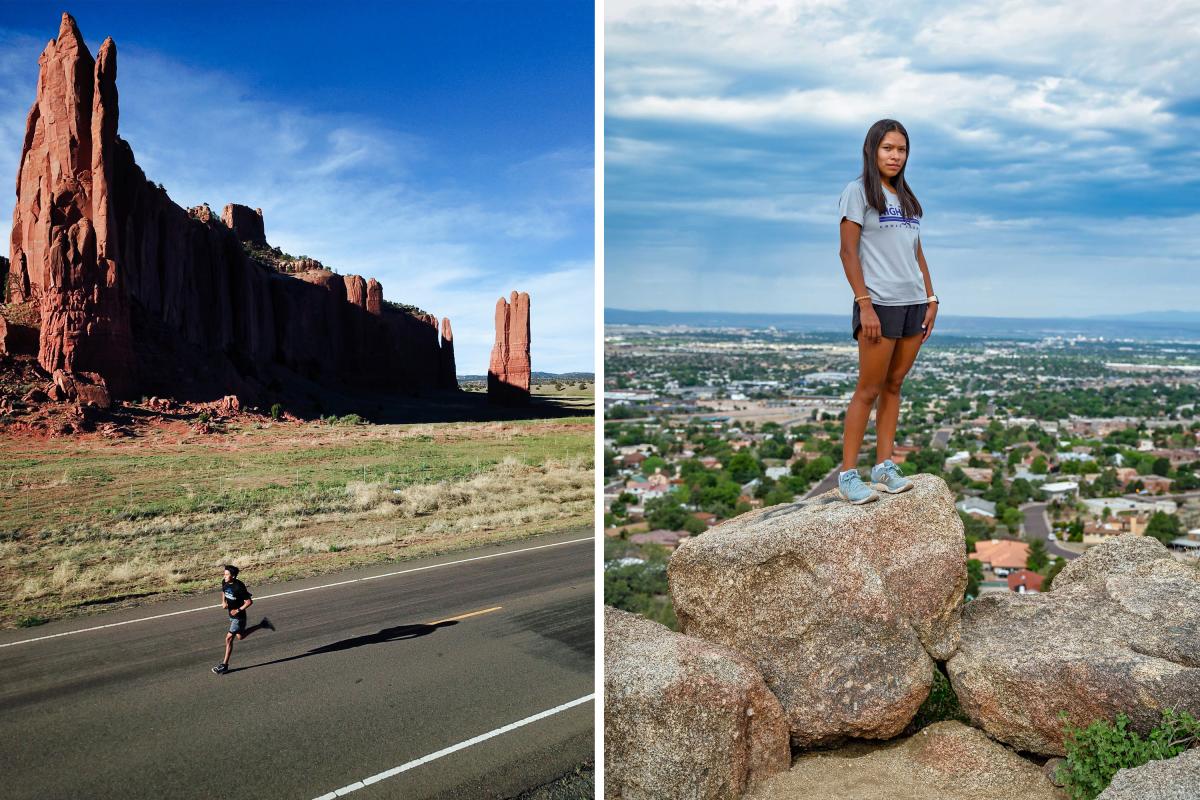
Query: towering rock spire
pixel 448 374
pixel 63 243
pixel 509 370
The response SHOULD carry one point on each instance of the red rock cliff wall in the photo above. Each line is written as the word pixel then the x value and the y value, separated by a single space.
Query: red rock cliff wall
pixel 156 299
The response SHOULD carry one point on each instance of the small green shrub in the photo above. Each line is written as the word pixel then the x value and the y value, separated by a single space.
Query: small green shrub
pixel 203 417
pixel 277 412
pixel 941 704
pixel 31 622
pixel 1095 753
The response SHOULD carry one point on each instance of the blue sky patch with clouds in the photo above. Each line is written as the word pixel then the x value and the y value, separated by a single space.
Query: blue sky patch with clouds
pixel 1053 149
pixel 444 148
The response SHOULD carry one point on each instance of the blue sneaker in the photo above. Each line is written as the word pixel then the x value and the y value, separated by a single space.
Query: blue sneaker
pixel 852 488
pixel 887 477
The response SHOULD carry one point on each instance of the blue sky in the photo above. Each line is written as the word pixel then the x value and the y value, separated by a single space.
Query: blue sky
pixel 1054 148
pixel 445 148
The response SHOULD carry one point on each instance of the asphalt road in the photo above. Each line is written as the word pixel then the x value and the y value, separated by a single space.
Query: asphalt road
pixel 1038 527
pixel 355 681
pixel 830 481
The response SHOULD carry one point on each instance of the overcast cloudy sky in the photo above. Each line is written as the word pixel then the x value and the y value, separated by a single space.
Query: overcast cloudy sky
pixel 1055 148
pixel 443 148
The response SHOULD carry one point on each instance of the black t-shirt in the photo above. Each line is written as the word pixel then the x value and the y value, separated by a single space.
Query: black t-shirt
pixel 236 594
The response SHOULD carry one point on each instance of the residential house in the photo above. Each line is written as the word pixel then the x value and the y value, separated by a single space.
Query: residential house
pixel 1157 484
pixel 1023 581
pixel 983 474
pixel 1001 553
pixel 977 506
pixel 668 539
pixel 1061 489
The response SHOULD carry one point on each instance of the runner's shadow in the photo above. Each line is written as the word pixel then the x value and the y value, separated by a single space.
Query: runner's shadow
pixel 386 635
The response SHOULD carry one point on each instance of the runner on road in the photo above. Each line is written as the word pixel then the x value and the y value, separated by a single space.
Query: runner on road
pixel 236 598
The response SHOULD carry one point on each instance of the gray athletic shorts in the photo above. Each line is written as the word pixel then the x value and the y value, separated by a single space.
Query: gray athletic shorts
pixel 896 322
pixel 237 624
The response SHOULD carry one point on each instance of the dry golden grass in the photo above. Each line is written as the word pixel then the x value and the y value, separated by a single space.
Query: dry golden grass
pixel 407 507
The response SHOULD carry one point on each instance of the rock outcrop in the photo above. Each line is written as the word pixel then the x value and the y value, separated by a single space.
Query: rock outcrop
pixel 682 717
pixel 1119 633
pixel 842 608
pixel 157 299
pixel 944 761
pixel 246 223
pixel 509 369
pixel 449 376
pixel 1175 778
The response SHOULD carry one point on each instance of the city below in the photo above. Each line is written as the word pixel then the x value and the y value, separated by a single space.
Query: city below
pixel 1051 440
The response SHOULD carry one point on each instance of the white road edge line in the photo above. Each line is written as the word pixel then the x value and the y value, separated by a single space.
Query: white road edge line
pixel 379 776
pixel 298 591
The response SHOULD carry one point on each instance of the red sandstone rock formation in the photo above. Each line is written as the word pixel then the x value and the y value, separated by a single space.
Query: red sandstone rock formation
pixel 156 299
pixel 449 380
pixel 246 223
pixel 64 240
pixel 509 370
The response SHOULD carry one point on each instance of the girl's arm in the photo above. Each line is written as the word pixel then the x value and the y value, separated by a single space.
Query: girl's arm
pixel 932 309
pixel 924 270
pixel 850 233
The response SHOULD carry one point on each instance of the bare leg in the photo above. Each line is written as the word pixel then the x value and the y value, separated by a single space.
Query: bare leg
pixel 887 414
pixel 873 361
pixel 228 647
pixel 249 631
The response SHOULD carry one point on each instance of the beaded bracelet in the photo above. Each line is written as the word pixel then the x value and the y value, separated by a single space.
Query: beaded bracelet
pixel 864 297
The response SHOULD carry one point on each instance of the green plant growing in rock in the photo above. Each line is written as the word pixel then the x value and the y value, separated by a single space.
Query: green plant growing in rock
pixel 1095 753
pixel 941 704
pixel 277 412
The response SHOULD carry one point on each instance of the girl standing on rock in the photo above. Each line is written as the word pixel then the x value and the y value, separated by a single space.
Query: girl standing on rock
pixel 894 303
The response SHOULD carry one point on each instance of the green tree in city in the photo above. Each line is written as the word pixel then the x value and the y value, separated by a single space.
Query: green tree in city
pixel 653 464
pixel 974 577
pixel 1038 557
pixel 743 467
pixel 665 512
pixel 1163 526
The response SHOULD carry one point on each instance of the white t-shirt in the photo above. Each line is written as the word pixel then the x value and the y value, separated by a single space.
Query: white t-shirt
pixel 887 248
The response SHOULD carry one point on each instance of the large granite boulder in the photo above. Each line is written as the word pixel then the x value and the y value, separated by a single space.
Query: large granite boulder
pixel 842 608
pixel 683 718
pixel 1119 633
pixel 944 761
pixel 1175 778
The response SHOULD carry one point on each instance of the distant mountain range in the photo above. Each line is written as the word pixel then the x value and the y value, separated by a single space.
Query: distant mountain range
pixel 1149 325
pixel 1189 317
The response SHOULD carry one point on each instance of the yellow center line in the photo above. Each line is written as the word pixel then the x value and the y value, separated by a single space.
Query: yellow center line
pixel 468 614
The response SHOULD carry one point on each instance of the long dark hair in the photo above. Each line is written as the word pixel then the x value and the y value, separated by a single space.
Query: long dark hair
pixel 873 184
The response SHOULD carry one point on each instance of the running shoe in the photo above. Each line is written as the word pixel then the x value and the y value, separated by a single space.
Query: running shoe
pixel 266 623
pixel 887 477
pixel 221 669
pixel 852 488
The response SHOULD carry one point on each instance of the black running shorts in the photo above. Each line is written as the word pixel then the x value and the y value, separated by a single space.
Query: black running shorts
pixel 896 322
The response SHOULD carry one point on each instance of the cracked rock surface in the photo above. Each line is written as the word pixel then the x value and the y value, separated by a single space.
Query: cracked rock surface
pixel 682 717
pixel 842 608
pixel 944 761
pixel 1118 633
pixel 1175 778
